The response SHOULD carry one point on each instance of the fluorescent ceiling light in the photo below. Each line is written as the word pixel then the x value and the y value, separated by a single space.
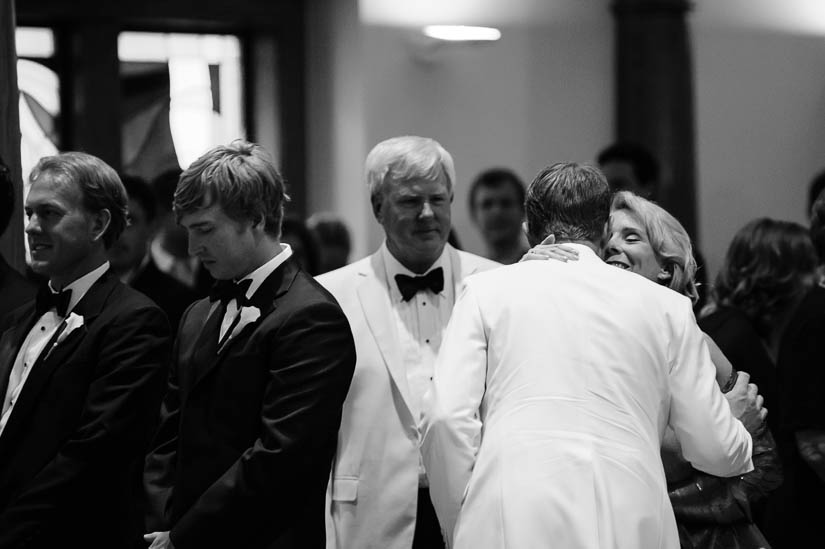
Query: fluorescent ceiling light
pixel 462 33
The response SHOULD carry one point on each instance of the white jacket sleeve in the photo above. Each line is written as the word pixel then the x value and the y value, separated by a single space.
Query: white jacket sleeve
pixel 712 439
pixel 451 426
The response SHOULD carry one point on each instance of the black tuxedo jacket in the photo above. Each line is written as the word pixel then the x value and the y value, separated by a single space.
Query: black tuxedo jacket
pixel 71 450
pixel 170 295
pixel 243 453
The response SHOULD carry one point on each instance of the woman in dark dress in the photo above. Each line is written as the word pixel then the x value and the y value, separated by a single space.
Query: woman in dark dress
pixel 801 384
pixel 768 269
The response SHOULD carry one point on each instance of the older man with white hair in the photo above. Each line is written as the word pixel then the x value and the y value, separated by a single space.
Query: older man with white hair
pixel 398 302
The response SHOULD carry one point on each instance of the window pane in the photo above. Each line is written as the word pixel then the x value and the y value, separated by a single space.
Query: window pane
pixel 182 95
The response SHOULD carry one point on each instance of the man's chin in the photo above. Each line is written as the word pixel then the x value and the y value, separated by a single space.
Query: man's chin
pixel 41 268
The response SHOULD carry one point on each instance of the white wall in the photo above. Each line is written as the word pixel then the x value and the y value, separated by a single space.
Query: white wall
pixel 760 108
pixel 544 93
pixel 539 95
pixel 337 144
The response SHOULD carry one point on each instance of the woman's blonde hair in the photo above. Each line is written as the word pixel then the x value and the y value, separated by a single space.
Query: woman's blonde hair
pixel 667 237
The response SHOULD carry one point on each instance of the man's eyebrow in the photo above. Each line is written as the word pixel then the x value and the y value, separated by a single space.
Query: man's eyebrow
pixel 199 224
pixel 45 204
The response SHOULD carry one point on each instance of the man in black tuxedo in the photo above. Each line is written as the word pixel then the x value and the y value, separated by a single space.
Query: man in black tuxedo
pixel 132 262
pixel 81 371
pixel 250 420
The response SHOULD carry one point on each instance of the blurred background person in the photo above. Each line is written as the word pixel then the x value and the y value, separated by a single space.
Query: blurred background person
pixel 15 289
pixel 304 246
pixel 801 385
pixel 768 268
pixel 630 167
pixel 170 247
pixel 133 264
pixel 815 188
pixel 333 240
pixel 496 201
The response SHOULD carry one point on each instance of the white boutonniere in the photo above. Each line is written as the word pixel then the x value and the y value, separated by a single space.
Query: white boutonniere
pixel 69 325
pixel 246 316
pixel 72 323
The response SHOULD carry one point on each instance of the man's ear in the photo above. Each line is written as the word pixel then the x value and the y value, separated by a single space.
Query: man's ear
pixel 260 224
pixel 100 222
pixel 532 239
pixel 377 201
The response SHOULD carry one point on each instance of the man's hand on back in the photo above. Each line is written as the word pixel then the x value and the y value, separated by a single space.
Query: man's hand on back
pixel 746 403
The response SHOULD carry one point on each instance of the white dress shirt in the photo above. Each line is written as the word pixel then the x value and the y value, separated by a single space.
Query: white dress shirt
pixel 41 333
pixel 257 277
pixel 420 323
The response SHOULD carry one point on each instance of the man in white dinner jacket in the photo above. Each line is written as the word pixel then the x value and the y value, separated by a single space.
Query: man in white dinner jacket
pixel 398 302
pixel 553 388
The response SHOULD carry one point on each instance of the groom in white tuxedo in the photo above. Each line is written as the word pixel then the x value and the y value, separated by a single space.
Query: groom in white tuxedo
pixel 554 385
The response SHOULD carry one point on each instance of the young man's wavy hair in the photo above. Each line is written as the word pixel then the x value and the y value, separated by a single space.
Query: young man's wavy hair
pixel 242 179
pixel 767 268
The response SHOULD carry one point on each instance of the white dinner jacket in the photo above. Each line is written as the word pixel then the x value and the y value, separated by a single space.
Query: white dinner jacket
pixel 551 393
pixel 374 485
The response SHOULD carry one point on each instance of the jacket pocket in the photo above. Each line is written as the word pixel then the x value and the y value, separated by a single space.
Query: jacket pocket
pixel 344 488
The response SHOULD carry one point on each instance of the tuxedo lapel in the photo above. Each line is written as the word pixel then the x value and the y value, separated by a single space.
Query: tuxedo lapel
pixel 374 296
pixel 460 269
pixel 56 354
pixel 205 352
pixel 264 299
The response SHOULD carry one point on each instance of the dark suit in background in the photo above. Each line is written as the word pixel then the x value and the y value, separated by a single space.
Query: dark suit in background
pixel 243 453
pixel 169 294
pixel 15 289
pixel 70 450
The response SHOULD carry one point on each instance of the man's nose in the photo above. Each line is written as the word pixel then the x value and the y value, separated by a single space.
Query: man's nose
pixel 33 224
pixel 426 210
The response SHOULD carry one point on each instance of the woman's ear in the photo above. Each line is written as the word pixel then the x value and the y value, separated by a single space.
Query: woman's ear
pixel 665 275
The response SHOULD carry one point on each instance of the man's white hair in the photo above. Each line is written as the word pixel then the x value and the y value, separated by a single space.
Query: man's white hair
pixel 405 158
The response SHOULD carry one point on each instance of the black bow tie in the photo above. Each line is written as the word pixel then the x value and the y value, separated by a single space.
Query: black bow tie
pixel 226 290
pixel 411 285
pixel 47 300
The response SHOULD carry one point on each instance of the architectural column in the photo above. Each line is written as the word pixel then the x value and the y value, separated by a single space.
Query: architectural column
pixel 91 90
pixel 654 95
pixel 11 245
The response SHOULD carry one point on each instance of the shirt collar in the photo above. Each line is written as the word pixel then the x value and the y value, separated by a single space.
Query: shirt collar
pixel 394 267
pixel 261 273
pixel 585 252
pixel 80 286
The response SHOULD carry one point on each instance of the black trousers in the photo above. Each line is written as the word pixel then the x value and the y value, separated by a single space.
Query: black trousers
pixel 427 530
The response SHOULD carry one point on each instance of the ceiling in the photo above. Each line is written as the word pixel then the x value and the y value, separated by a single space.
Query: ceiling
pixel 792 16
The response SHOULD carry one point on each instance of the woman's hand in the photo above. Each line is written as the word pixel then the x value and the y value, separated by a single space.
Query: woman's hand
pixel 548 249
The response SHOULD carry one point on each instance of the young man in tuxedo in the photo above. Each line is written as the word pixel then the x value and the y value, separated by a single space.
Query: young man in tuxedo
pixel 249 424
pixel 81 371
